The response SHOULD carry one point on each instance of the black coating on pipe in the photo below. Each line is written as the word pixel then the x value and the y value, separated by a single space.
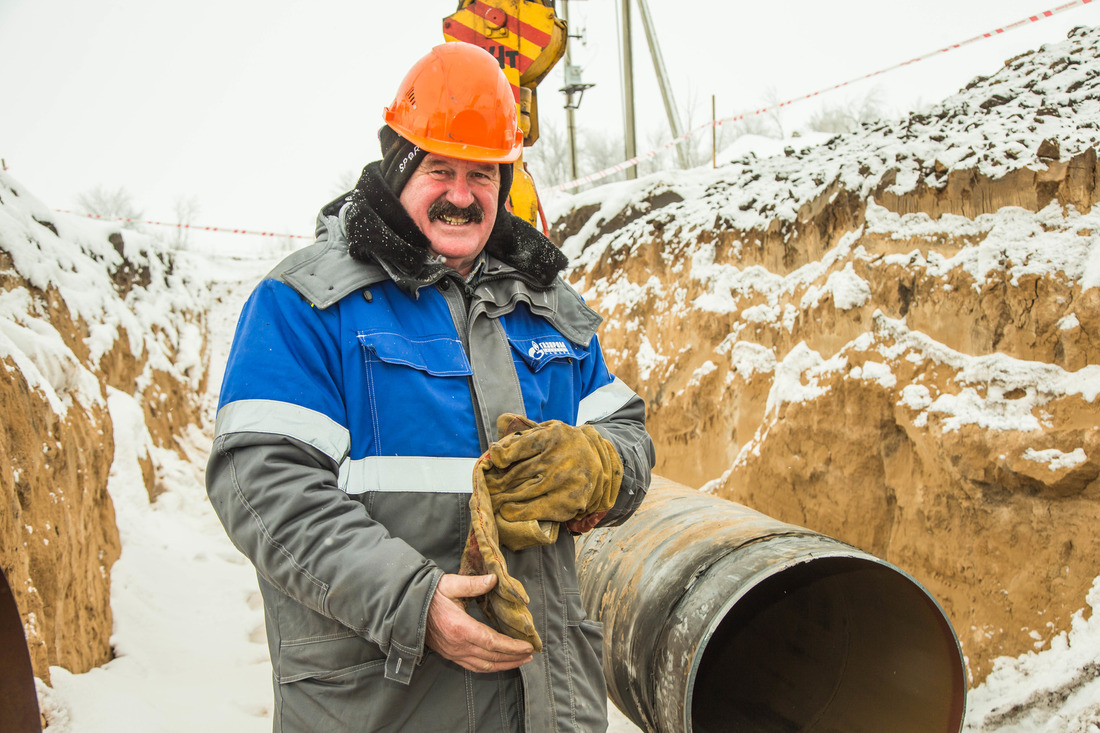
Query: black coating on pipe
pixel 719 618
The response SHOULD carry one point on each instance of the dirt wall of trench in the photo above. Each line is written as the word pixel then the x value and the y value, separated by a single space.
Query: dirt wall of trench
pixel 1002 541
pixel 58 537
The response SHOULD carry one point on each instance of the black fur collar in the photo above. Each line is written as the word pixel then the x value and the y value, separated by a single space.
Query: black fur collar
pixel 379 229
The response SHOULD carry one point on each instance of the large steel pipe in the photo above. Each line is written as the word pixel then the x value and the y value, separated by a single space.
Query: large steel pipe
pixel 719 618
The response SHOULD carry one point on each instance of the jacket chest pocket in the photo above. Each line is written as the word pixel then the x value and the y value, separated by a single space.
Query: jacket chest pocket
pixel 549 368
pixel 418 395
pixel 438 356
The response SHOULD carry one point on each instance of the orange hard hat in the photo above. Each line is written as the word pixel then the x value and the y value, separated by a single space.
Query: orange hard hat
pixel 457 102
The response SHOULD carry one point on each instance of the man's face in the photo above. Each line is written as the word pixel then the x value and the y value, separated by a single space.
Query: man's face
pixel 454 202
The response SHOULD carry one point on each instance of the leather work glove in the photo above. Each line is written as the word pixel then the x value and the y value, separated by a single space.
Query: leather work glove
pixel 506 603
pixel 549 473
pixel 539 475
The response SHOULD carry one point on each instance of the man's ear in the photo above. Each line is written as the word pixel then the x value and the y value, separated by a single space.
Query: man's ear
pixel 506 175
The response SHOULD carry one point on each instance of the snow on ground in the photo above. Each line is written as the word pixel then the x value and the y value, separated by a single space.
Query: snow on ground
pixel 1054 691
pixel 76 257
pixel 189 630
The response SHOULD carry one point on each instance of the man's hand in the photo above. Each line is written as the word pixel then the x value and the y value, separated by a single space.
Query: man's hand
pixel 586 523
pixel 456 636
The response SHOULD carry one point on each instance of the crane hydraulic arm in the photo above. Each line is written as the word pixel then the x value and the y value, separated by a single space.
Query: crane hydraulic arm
pixel 527 38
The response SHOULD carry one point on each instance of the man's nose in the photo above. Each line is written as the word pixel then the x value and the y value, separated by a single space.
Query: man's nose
pixel 459 193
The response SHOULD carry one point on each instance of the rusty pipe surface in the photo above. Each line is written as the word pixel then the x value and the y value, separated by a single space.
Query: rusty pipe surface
pixel 719 618
pixel 18 698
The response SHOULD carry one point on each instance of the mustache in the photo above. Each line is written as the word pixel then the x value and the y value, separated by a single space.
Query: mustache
pixel 444 208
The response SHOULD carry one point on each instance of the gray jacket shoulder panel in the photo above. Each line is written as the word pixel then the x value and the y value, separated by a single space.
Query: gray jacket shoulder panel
pixel 324 272
pixel 560 304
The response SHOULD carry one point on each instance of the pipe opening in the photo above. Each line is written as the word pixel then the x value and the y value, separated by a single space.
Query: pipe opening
pixel 830 644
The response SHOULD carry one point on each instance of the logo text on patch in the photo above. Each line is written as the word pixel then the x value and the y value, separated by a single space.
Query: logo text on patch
pixel 541 349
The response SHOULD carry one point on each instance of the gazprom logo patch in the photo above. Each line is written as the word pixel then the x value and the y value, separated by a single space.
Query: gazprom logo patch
pixel 547 349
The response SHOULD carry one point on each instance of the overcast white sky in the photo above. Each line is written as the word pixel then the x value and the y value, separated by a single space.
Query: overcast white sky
pixel 260 109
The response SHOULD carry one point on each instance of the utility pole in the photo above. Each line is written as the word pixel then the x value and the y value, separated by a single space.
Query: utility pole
pixel 573 85
pixel 662 81
pixel 570 111
pixel 713 132
pixel 628 87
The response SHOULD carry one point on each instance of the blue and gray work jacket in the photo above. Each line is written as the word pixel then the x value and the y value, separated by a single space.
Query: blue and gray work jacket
pixel 351 414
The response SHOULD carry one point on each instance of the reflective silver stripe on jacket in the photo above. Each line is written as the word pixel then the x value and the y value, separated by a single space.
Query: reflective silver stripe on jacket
pixel 374 473
pixel 408 473
pixel 604 402
pixel 283 418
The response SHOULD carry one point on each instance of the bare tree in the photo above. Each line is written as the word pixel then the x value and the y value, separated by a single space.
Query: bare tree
pixel 754 125
pixel 187 212
pixel 600 150
pixel 663 160
pixel 548 158
pixel 345 182
pixel 696 147
pixel 695 113
pixel 111 204
pixel 773 113
pixel 847 116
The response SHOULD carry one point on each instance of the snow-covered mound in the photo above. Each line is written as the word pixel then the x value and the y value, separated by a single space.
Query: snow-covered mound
pixel 1033 117
pixel 891 337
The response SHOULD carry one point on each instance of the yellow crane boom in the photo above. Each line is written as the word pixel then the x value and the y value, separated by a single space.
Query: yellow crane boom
pixel 527 38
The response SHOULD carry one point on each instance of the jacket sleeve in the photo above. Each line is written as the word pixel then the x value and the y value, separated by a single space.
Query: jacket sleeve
pixel 625 428
pixel 618 414
pixel 272 479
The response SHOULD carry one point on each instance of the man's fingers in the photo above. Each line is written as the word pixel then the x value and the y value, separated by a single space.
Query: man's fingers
pixel 465 586
pixel 586 523
pixel 476 663
pixel 484 654
pixel 457 636
pixel 486 643
pixel 498 646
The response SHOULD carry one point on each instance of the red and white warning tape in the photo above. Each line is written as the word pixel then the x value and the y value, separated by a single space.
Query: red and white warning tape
pixel 191 227
pixel 618 167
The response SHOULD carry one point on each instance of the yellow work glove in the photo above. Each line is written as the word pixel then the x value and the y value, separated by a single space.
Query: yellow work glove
pixel 534 478
pixel 506 603
pixel 547 474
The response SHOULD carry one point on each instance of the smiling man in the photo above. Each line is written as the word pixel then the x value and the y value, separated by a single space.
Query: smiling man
pixel 367 375
pixel 454 203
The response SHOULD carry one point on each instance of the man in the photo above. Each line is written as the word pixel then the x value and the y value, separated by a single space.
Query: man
pixel 366 377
